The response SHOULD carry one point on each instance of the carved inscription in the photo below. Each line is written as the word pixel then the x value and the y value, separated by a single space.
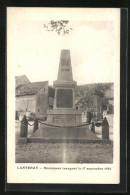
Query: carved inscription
pixel 64 119
pixel 65 69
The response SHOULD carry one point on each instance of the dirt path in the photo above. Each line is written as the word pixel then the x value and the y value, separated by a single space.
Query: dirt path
pixel 64 153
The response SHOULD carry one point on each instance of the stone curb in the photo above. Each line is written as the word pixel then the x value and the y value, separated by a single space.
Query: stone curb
pixel 22 141
pixel 42 140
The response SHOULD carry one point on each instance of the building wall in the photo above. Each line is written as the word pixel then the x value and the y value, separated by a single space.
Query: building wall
pixel 94 106
pixel 37 104
pixel 26 103
pixel 42 102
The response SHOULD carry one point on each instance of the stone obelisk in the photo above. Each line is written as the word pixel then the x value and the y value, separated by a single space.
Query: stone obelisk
pixel 64 120
pixel 64 111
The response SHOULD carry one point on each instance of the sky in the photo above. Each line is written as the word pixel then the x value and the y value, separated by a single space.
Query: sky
pixel 34 52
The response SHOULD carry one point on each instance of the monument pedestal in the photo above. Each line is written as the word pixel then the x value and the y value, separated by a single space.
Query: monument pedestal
pixel 64 117
pixel 63 134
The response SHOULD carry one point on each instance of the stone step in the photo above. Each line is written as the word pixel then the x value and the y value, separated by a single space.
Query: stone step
pixel 84 141
pixel 64 133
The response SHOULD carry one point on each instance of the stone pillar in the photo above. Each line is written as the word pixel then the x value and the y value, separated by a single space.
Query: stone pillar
pixel 93 127
pixel 105 129
pixel 24 127
pixel 35 125
pixel 23 131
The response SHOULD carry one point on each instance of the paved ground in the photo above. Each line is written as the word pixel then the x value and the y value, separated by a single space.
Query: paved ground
pixel 62 152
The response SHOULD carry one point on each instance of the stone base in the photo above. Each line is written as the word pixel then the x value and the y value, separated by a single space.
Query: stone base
pixel 22 140
pixel 64 116
pixel 64 133
pixel 82 141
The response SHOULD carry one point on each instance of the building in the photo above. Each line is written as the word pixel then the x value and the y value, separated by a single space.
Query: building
pixel 109 99
pixel 91 106
pixel 97 103
pixel 33 99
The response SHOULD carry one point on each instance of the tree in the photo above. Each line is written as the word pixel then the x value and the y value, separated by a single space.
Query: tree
pixel 89 90
pixel 51 92
pixel 60 26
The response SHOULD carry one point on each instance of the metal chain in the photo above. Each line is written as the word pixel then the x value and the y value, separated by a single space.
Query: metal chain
pixel 53 125
pixel 64 126
pixel 30 124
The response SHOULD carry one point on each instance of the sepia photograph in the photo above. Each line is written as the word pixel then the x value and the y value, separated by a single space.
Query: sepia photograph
pixel 63 88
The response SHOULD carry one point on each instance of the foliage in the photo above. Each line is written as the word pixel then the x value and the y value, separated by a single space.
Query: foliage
pixel 93 89
pixel 89 90
pixel 51 92
pixel 60 26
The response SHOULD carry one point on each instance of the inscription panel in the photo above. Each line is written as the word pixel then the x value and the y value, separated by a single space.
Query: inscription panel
pixel 70 118
pixel 59 118
pixel 64 119
pixel 64 98
pixel 65 69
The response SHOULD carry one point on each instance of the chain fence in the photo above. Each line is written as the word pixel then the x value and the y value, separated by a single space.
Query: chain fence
pixel 62 126
pixel 31 124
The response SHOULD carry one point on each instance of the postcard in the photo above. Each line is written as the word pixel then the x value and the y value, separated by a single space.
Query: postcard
pixel 63 95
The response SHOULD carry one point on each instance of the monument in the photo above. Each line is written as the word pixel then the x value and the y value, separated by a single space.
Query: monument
pixel 64 111
pixel 64 120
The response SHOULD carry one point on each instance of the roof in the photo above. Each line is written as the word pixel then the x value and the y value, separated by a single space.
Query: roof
pixel 30 88
pixel 21 76
pixel 22 79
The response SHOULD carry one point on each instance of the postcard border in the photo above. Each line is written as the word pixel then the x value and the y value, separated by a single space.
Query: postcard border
pixel 123 124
